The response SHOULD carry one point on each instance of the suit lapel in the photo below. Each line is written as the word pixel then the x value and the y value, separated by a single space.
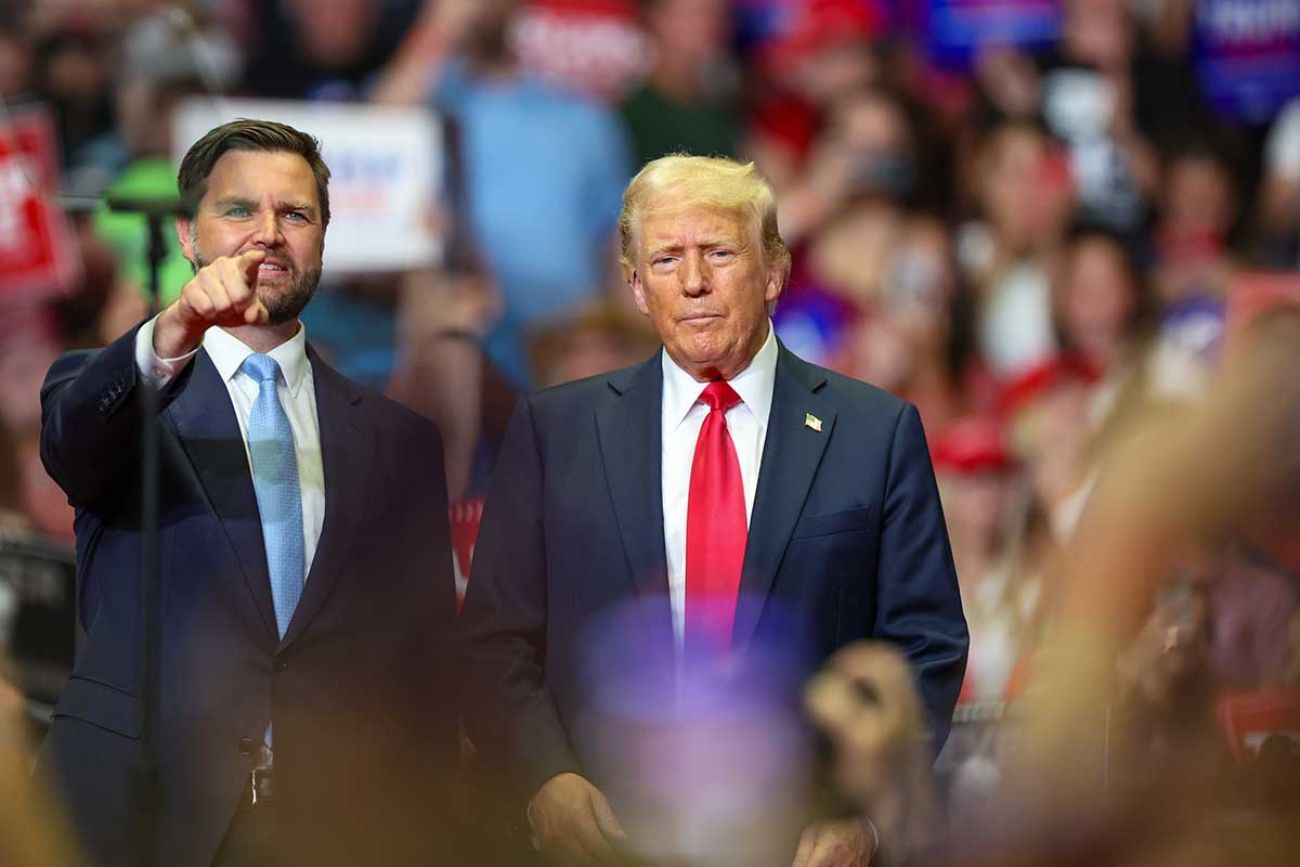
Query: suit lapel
pixel 346 454
pixel 791 454
pixel 204 422
pixel 629 428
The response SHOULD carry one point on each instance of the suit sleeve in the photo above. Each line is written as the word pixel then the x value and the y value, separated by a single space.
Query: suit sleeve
pixel 512 717
pixel 918 605
pixel 91 419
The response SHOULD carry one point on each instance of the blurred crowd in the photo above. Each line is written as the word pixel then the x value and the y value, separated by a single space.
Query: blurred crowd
pixel 1041 247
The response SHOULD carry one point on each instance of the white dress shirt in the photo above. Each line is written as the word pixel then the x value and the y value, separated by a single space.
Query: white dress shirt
pixel 683 416
pixel 297 392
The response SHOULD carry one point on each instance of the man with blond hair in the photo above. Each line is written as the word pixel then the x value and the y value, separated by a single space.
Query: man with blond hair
pixel 731 496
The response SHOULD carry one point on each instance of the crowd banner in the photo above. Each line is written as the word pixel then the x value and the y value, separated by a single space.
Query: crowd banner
pixel 386 166
pixel 1252 295
pixel 1247 56
pixel 955 31
pixel 595 47
pixel 38 255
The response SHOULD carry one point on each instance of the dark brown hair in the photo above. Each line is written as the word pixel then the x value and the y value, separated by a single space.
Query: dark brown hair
pixel 250 135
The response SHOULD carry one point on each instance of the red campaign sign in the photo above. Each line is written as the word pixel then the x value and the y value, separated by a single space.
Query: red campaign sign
pixel 465 517
pixel 594 47
pixel 38 257
pixel 1252 719
pixel 1252 294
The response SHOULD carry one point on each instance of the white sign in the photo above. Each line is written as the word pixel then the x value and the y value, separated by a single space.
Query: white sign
pixel 386 170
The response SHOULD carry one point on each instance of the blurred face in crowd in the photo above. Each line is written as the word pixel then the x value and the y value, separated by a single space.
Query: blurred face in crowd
pixel 702 278
pixel 920 282
pixel 75 72
pixel 1197 199
pixel 1098 298
pixel 484 26
pixel 15 65
pixel 334 33
pixel 1099 32
pixel 841 68
pixel 851 255
pixel 23 363
pixel 872 131
pixel 262 200
pixel 873 122
pixel 975 505
pixel 1025 188
pixel 1050 436
pixel 694 30
pixel 587 351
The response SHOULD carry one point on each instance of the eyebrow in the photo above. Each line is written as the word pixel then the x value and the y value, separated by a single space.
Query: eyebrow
pixel 240 202
pixel 664 248
pixel 706 243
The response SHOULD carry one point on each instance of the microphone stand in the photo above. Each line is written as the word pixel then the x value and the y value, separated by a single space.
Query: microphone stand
pixel 145 781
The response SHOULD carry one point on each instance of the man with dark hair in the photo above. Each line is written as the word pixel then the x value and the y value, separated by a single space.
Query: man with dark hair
pixel 303 548
pixel 254 135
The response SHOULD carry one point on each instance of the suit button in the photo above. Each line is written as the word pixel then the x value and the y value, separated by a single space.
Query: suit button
pixel 246 746
pixel 279 663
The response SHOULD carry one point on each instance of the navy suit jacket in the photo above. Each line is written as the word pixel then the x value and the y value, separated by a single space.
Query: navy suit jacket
pixel 364 723
pixel 846 542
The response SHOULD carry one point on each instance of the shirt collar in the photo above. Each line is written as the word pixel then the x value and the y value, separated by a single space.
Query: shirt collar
pixel 754 384
pixel 228 353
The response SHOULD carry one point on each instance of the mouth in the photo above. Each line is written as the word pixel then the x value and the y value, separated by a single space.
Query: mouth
pixel 700 318
pixel 272 267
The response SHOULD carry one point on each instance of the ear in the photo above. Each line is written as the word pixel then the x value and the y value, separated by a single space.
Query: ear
pixel 775 285
pixel 184 230
pixel 638 292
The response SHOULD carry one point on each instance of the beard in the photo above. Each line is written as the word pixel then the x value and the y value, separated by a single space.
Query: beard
pixel 283 304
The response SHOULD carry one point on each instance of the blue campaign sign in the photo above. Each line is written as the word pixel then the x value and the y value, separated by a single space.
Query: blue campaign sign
pixel 1248 55
pixel 954 31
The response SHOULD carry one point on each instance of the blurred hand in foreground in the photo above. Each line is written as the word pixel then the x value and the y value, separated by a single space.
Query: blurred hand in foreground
pixel 838 843
pixel 573 823
pixel 866 703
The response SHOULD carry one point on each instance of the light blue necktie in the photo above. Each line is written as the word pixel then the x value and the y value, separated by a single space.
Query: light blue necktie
pixel 275 480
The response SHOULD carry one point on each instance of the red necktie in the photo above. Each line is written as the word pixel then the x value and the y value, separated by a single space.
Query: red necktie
pixel 716 528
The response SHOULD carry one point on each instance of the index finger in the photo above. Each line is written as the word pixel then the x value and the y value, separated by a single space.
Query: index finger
pixel 597 846
pixel 582 844
pixel 247 263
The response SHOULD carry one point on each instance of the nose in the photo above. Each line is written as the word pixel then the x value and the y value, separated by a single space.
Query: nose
pixel 694 273
pixel 267 231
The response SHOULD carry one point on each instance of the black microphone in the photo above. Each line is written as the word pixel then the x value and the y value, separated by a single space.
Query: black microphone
pixel 150 206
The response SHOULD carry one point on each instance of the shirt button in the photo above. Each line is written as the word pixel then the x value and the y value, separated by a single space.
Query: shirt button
pixel 246 746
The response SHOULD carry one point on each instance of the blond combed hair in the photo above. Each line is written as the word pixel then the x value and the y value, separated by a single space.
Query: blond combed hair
pixel 687 181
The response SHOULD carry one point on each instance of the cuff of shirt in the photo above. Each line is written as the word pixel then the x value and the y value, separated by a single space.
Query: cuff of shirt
pixel 158 371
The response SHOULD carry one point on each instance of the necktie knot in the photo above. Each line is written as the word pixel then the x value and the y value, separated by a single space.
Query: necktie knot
pixel 262 368
pixel 719 395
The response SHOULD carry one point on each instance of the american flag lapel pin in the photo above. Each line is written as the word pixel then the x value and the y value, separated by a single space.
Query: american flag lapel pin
pixel 812 421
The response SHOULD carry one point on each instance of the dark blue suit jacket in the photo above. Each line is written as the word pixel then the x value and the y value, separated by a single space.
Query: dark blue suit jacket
pixel 364 725
pixel 846 541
